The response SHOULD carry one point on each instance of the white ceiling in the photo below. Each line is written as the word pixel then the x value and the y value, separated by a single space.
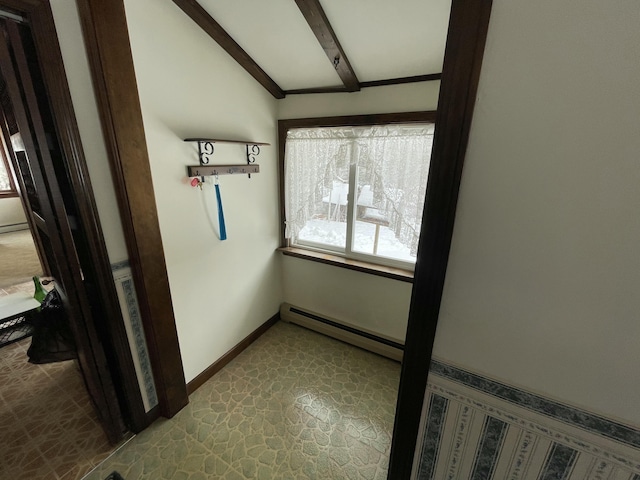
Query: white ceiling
pixel 382 39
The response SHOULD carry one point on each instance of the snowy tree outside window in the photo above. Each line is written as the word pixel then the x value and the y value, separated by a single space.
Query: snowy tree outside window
pixel 358 191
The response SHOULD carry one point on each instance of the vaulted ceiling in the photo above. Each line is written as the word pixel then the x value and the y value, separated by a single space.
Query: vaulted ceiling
pixel 308 46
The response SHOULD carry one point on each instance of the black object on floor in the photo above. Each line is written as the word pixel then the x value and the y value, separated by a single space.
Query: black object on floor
pixel 52 339
pixel 114 476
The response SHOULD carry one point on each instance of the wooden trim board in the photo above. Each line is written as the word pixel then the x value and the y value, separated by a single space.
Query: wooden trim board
pixel 45 36
pixel 402 80
pixel 349 263
pixel 106 36
pixel 468 26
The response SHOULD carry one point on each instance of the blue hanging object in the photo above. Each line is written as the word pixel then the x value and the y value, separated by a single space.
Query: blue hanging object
pixel 223 228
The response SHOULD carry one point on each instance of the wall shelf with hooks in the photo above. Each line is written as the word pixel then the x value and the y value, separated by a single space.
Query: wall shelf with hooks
pixel 206 149
pixel 208 170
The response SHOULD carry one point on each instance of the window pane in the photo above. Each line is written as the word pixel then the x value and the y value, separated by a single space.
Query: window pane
pixel 328 223
pixel 317 186
pixel 5 184
pixel 372 234
pixel 393 166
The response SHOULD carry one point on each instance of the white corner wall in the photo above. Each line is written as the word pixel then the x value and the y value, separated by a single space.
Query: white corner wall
pixel 375 303
pixel 76 65
pixel 543 283
pixel 189 87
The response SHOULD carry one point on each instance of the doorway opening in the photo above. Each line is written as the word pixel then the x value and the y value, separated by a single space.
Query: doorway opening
pixel 53 411
pixel 20 256
pixel 97 394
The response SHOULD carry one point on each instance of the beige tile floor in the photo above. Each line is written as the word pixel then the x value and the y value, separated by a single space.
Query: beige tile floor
pixel 294 405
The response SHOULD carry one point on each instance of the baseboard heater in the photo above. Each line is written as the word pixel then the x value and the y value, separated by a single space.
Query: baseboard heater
pixel 14 227
pixel 343 331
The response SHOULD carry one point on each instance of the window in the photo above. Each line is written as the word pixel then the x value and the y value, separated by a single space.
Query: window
pixel 7 187
pixel 357 191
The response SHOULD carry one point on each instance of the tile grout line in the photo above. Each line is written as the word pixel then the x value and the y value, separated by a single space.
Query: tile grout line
pixel 112 454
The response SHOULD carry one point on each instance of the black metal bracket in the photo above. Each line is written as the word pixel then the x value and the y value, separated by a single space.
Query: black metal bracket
pixel 252 152
pixel 204 150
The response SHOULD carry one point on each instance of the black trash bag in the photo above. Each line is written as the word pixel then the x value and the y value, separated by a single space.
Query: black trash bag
pixel 52 339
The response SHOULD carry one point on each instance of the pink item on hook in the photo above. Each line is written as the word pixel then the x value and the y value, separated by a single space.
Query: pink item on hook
pixel 195 182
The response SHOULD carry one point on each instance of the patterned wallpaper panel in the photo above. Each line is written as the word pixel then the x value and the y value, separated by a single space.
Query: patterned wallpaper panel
pixel 478 429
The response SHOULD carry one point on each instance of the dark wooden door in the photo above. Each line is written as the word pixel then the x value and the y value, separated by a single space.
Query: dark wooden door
pixel 32 137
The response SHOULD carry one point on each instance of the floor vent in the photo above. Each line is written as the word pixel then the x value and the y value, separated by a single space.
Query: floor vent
pixel 343 331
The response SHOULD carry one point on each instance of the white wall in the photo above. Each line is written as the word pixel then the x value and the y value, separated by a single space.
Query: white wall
pixel 189 87
pixel 544 273
pixel 78 75
pixel 374 303
pixel 11 212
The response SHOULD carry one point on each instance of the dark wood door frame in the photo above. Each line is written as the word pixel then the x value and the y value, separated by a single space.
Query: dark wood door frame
pixel 468 26
pixel 106 39
pixel 112 340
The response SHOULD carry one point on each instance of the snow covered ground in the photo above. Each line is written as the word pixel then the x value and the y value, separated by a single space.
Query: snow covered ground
pixel 329 232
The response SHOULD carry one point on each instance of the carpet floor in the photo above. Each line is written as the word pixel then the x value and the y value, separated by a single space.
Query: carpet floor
pixel 18 258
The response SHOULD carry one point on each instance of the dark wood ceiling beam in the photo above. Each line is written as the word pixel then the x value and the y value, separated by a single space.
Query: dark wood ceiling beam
pixel 375 83
pixel 398 81
pixel 302 91
pixel 200 16
pixel 317 20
